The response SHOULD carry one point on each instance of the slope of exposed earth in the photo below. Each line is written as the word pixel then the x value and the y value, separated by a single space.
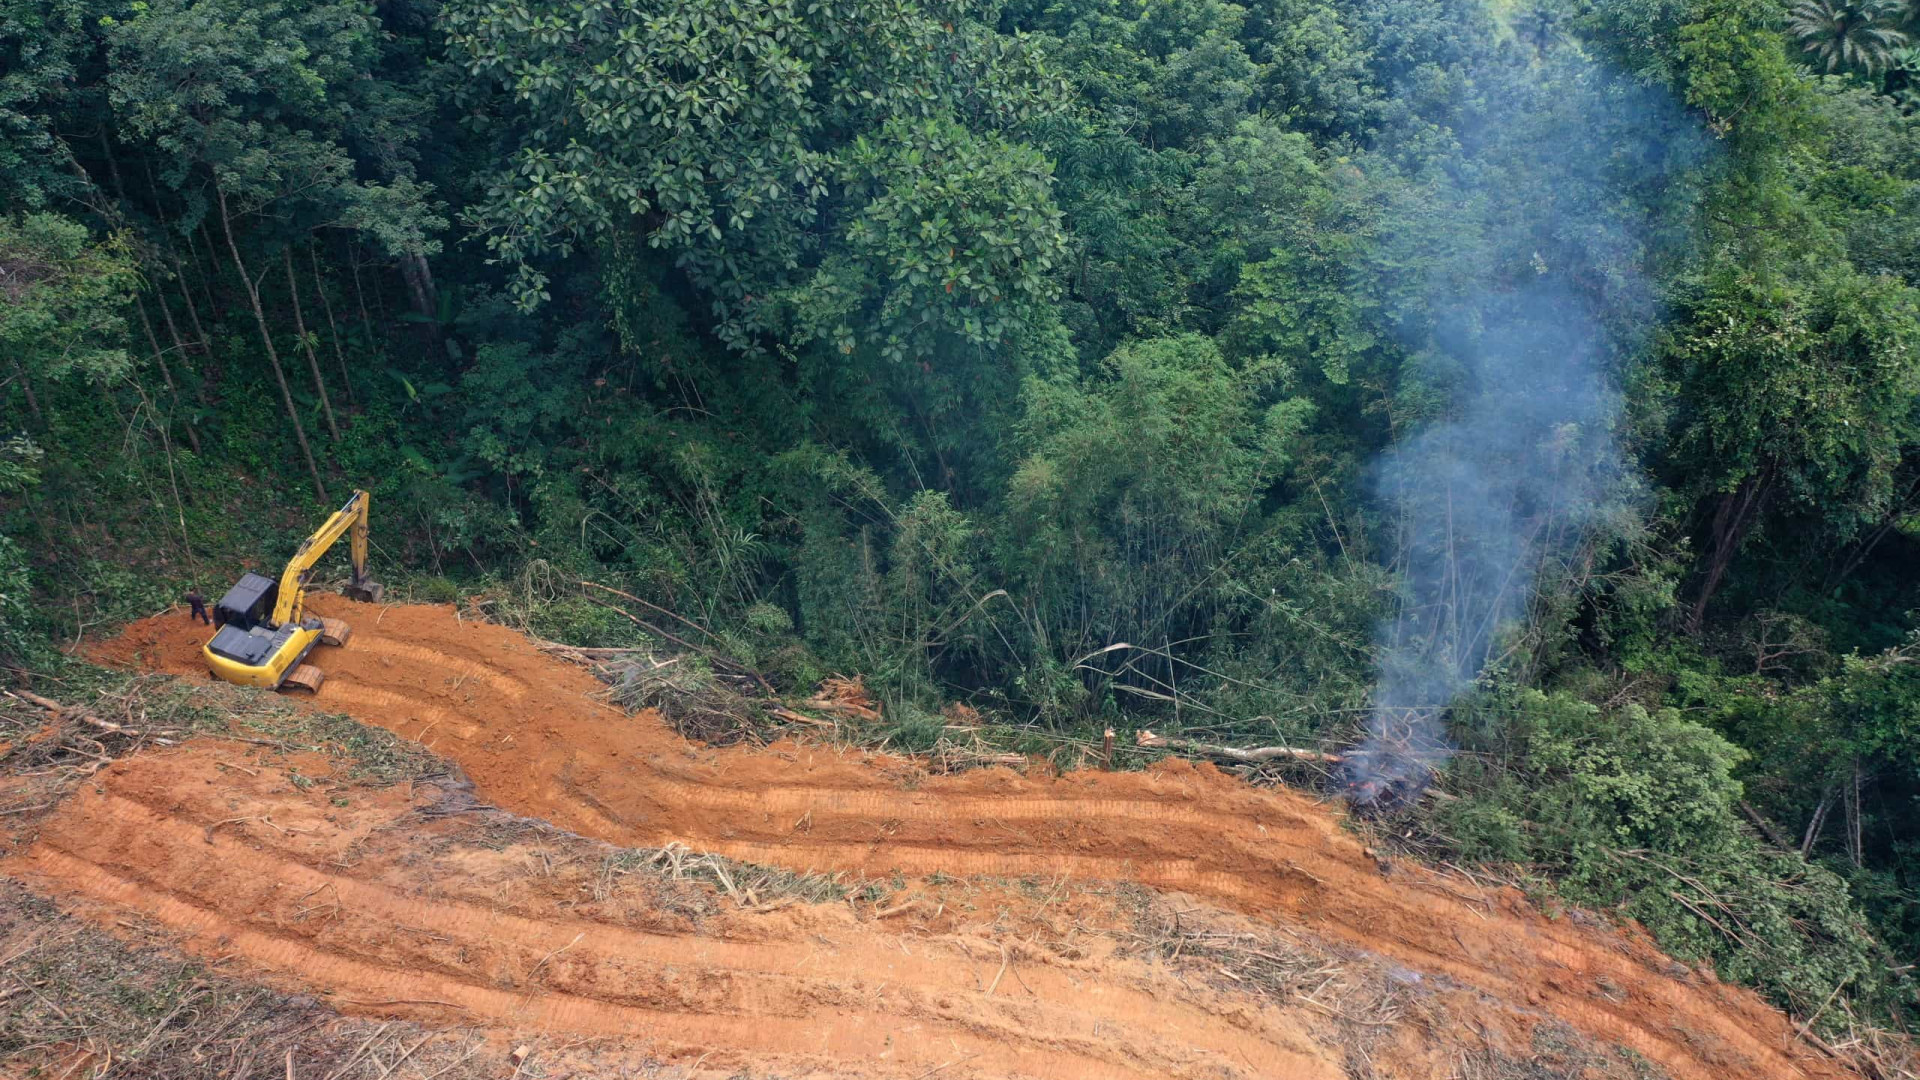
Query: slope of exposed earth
pixel 388 906
pixel 521 727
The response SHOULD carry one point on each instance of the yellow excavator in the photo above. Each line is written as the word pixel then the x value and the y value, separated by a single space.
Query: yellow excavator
pixel 264 632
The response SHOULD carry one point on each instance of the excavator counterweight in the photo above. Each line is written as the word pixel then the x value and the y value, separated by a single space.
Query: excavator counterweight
pixel 265 634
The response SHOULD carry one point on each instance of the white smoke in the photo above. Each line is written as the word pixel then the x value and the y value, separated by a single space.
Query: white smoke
pixel 1568 184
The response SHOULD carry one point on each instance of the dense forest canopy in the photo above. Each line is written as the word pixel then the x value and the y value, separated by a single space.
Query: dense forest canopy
pixel 1527 391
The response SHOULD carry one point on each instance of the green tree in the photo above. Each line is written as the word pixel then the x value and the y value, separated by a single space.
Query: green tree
pixel 1846 33
pixel 254 102
pixel 42 48
pixel 1136 483
pixel 66 300
pixel 721 134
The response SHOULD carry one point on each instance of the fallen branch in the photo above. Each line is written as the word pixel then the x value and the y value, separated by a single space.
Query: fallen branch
pixel 711 654
pixel 1252 755
pixel 48 704
pixel 791 717
pixel 63 712
pixel 825 704
pixel 587 650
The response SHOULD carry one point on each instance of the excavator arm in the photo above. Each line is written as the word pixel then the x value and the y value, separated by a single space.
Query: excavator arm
pixel 350 521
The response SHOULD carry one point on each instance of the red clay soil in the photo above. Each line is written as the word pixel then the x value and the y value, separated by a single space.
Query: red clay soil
pixel 521 726
pixel 350 890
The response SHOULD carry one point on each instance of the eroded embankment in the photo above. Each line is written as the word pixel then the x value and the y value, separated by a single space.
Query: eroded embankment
pixel 520 725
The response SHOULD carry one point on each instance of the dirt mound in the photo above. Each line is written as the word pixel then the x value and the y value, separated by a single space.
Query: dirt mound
pixel 518 723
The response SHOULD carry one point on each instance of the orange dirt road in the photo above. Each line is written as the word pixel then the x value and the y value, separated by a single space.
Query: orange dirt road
pixel 520 725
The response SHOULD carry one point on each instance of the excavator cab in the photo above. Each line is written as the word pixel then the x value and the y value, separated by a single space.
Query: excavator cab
pixel 248 603
pixel 245 635
pixel 264 633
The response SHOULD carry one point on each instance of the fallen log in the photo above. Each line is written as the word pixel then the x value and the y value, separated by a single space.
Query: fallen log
pixel 1146 739
pixel 783 713
pixel 825 704
pixel 65 712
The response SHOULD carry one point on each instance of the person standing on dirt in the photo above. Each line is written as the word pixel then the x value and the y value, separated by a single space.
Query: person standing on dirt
pixel 199 605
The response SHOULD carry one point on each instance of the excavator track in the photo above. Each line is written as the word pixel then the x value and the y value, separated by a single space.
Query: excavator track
pixel 304 677
pixel 334 631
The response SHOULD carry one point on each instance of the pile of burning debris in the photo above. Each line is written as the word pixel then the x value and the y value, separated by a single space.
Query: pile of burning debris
pixel 1395 765
pixel 1376 781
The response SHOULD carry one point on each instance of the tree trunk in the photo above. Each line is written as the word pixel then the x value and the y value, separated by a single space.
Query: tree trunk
pixel 1855 842
pixel 186 293
pixel 426 302
pixel 266 339
pixel 1814 825
pixel 179 270
pixel 166 316
pixel 173 331
pixel 313 362
pixel 333 328
pixel 360 297
pixel 213 272
pixel 26 387
pixel 113 165
pixel 1730 521
pixel 166 373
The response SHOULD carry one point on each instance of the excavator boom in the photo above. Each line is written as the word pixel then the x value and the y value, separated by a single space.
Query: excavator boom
pixel 351 521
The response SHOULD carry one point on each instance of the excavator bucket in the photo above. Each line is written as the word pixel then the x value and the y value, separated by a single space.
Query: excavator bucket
pixel 304 677
pixel 369 593
pixel 334 631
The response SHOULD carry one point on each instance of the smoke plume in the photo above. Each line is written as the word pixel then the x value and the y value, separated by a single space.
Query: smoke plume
pixel 1533 273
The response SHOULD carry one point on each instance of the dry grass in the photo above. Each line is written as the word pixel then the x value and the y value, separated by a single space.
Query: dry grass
pixel 70 731
pixel 1364 994
pixel 681 880
pixel 749 886
pixel 1557 1052
pixel 77 1002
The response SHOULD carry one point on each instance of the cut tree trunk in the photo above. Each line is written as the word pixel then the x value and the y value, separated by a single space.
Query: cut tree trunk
pixel 266 339
pixel 1247 756
pixel 1767 828
pixel 306 343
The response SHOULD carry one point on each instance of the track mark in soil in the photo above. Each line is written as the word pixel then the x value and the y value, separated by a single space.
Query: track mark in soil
pixel 378 926
pixel 456 671
pixel 403 714
pixel 556 755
